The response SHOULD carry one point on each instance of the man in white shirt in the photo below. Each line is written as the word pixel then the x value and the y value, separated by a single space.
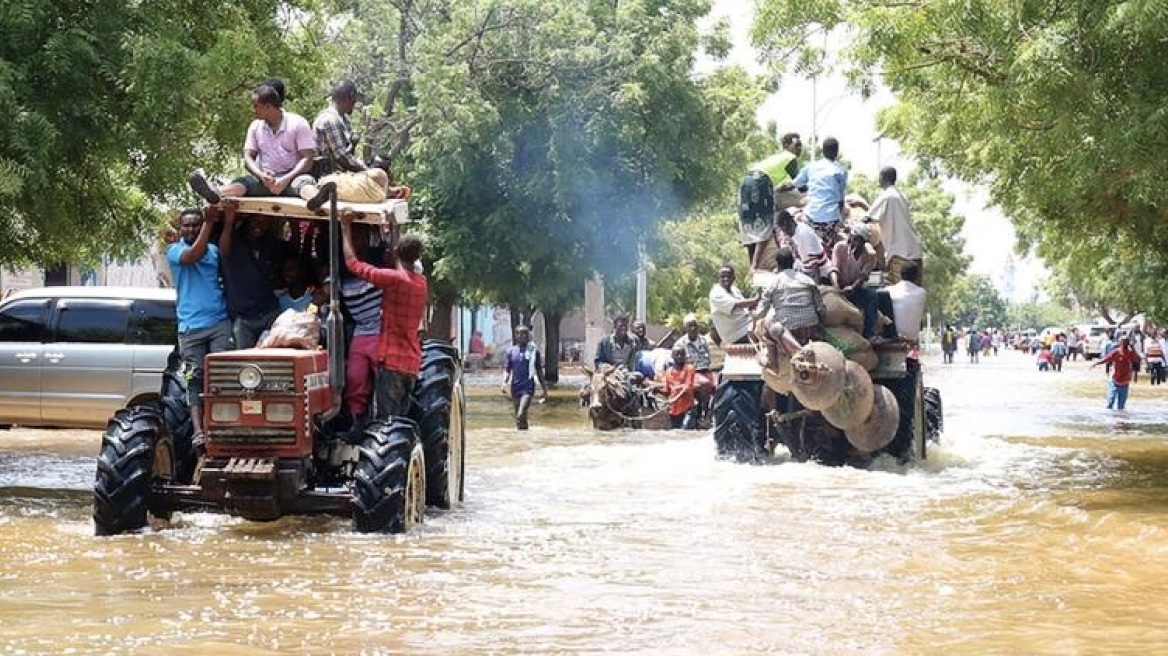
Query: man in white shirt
pixel 900 239
pixel 729 309
pixel 908 303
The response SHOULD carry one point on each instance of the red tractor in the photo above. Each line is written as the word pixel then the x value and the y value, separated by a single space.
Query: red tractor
pixel 270 449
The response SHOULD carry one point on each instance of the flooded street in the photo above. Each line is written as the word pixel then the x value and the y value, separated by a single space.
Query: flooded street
pixel 1039 525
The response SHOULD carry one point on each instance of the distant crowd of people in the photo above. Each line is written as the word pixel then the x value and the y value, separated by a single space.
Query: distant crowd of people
pixel 1123 352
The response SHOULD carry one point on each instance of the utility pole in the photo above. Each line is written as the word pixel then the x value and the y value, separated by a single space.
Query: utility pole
pixel 594 321
pixel 642 281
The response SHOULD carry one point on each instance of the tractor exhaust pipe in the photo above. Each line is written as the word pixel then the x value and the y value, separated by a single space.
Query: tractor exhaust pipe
pixel 335 323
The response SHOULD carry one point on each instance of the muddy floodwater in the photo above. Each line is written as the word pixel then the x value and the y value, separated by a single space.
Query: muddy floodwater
pixel 1038 526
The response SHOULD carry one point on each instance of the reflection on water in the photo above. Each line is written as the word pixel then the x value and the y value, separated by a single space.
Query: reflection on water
pixel 1037 526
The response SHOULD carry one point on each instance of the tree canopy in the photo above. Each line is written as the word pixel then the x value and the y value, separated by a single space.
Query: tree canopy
pixel 975 302
pixel 545 141
pixel 1056 106
pixel 108 105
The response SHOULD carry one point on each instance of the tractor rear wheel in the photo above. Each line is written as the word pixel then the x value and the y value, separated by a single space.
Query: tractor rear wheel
pixel 437 408
pixel 389 485
pixel 738 420
pixel 934 414
pixel 137 452
pixel 176 414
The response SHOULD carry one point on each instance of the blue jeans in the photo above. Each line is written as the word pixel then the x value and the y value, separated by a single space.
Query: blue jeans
pixel 1116 393
pixel 247 330
pixel 866 299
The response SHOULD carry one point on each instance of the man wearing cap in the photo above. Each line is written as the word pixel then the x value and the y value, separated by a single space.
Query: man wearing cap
pixel 852 261
pixel 729 309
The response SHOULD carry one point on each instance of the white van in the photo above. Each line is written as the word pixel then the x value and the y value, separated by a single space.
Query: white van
pixel 1095 340
pixel 73 356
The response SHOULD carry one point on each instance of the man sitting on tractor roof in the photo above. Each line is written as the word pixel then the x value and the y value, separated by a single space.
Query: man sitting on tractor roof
pixel 277 153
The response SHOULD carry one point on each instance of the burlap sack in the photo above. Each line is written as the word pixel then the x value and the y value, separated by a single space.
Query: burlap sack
pixel 293 329
pixel 779 380
pixel 852 344
pixel 844 338
pixel 877 431
pixel 855 403
pixel 839 310
pixel 866 358
pixel 818 375
pixel 788 198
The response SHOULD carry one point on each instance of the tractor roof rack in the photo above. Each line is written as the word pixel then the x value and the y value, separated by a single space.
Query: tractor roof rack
pixel 395 210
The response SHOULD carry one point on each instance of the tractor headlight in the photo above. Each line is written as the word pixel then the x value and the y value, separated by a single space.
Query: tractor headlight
pixel 250 377
pixel 281 413
pixel 224 412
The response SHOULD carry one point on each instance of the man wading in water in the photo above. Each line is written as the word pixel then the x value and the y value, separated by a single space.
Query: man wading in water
pixel 523 366
pixel 1122 360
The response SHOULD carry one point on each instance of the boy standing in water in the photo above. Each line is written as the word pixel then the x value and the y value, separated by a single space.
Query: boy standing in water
pixel 679 386
pixel 523 366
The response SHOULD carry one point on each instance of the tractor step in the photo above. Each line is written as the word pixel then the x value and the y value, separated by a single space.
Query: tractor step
pixel 255 469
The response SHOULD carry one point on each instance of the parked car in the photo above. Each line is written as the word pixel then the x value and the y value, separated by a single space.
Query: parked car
pixel 1095 340
pixel 73 356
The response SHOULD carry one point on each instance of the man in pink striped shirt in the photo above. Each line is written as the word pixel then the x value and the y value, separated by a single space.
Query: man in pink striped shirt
pixel 277 153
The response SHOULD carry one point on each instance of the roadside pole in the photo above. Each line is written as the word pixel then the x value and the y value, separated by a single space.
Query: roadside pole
pixel 595 324
pixel 642 281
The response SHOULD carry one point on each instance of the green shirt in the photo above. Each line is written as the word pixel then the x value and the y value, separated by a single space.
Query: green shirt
pixel 779 167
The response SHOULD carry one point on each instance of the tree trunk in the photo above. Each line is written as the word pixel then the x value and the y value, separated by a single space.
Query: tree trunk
pixel 551 359
pixel 441 322
pixel 515 319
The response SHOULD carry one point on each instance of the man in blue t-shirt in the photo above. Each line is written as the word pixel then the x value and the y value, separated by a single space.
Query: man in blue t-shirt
pixel 523 365
pixel 203 326
pixel 826 181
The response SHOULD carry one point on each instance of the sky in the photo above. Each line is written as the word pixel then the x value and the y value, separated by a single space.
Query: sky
pixel 826 108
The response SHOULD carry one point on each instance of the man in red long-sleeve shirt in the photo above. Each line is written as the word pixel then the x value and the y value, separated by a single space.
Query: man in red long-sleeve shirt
pixel 403 304
pixel 1122 360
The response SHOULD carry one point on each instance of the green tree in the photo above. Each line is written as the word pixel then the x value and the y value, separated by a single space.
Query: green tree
pixel 975 302
pixel 1106 276
pixel 546 140
pixel 686 264
pixel 1056 106
pixel 108 104
pixel 1039 315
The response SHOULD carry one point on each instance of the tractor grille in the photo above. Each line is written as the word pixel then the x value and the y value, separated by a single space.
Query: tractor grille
pixel 279 377
pixel 243 436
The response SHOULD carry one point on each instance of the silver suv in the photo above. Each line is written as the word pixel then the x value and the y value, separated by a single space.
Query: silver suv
pixel 73 356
